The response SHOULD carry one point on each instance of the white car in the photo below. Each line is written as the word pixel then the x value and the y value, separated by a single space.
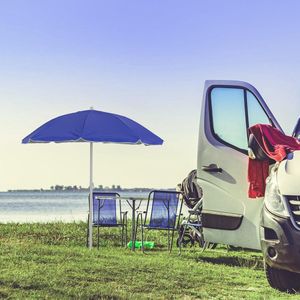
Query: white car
pixel 270 224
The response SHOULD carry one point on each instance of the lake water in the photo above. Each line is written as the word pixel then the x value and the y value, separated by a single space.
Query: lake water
pixel 50 206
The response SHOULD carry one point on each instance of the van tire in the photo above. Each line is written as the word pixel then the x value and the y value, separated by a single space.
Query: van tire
pixel 282 280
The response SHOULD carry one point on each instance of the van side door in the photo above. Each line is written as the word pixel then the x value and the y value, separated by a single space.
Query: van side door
pixel 229 108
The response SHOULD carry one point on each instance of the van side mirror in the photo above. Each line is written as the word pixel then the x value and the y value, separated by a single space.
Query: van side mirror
pixel 296 131
pixel 254 150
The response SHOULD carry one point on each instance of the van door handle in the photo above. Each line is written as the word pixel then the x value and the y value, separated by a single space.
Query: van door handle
pixel 213 168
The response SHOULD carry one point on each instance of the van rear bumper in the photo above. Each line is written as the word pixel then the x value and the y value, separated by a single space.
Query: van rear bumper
pixel 280 242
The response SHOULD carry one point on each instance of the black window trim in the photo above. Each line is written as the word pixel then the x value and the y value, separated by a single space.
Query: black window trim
pixel 244 151
pixel 246 114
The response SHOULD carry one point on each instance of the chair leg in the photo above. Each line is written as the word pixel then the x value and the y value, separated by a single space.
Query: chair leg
pixel 168 239
pixel 172 239
pixel 139 223
pixel 145 235
pixel 126 233
pixel 98 237
pixel 122 235
pixel 136 229
pixel 142 248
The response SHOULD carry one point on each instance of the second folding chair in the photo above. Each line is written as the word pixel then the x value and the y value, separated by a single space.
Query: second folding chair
pixel 162 213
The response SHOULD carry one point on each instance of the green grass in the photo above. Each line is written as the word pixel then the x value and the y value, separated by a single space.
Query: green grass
pixel 50 261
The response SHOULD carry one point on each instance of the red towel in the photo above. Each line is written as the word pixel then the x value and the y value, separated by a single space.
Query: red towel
pixel 276 145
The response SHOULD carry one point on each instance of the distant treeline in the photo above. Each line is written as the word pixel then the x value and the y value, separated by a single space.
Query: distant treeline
pixel 69 188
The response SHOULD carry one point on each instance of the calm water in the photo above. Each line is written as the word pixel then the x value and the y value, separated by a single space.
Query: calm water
pixel 49 206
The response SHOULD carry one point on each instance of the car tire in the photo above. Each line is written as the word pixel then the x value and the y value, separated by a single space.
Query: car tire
pixel 282 280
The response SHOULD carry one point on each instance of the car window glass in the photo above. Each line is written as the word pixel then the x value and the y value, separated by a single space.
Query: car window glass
pixel 228 116
pixel 255 112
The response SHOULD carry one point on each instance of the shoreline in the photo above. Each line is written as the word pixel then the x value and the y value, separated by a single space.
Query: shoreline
pixel 84 190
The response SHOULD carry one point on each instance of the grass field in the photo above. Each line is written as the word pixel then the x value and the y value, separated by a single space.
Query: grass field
pixel 50 261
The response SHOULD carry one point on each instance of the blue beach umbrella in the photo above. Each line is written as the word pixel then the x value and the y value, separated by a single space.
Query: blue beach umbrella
pixel 92 126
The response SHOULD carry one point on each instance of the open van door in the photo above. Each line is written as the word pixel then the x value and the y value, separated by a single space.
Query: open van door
pixel 229 108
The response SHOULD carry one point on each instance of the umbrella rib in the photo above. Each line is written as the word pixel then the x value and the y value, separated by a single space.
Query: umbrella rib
pixel 83 126
pixel 138 138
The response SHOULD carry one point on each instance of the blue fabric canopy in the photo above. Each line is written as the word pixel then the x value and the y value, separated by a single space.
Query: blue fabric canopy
pixel 93 126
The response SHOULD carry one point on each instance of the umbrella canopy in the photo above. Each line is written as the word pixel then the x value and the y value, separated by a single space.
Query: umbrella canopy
pixel 92 126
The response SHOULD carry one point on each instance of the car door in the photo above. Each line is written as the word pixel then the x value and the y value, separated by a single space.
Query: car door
pixel 229 108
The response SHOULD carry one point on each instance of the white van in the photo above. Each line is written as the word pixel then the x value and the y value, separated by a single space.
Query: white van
pixel 270 224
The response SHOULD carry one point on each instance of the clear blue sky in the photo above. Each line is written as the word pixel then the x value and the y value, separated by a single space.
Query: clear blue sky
pixel 144 59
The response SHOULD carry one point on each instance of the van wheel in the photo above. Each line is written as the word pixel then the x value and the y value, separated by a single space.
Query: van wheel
pixel 283 280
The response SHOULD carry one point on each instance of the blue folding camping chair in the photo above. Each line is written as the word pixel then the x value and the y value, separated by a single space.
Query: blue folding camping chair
pixel 107 214
pixel 162 213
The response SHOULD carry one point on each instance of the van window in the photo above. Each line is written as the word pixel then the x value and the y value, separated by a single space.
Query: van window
pixel 255 112
pixel 228 116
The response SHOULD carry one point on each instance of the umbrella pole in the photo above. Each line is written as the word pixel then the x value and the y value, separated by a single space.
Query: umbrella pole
pixel 91 199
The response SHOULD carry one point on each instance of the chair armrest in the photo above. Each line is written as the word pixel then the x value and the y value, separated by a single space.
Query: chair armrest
pixel 140 214
pixel 139 217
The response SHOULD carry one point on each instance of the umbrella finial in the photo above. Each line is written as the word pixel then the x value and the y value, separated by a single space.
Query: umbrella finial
pixel 91 108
